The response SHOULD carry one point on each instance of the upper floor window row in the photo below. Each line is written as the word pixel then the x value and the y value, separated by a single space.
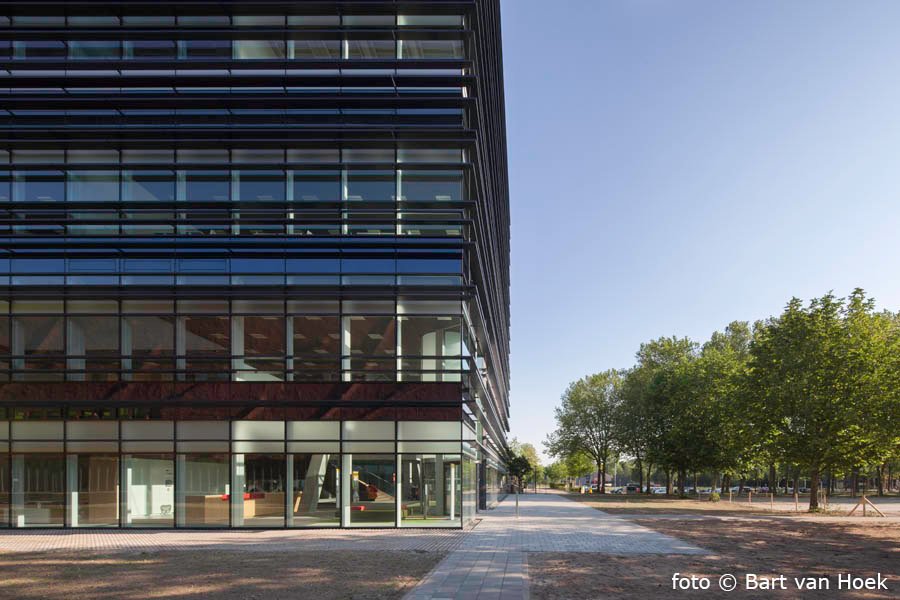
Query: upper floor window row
pixel 316 155
pixel 430 21
pixel 268 49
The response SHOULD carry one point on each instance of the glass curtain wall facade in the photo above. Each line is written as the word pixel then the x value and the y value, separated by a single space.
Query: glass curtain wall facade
pixel 254 264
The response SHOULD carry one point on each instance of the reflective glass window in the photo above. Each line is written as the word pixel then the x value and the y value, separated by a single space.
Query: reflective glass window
pixel 431 186
pixel 4 491
pixel 38 490
pixel 314 20
pixel 148 21
pixel 93 347
pixel 93 186
pixel 203 490
pixel 264 186
pixel 369 342
pixel 372 490
pixel 371 49
pixel 431 49
pixel 149 490
pixel 430 21
pixel 39 49
pixel 205 49
pixel 94 50
pixel 93 21
pixel 316 490
pixel 206 335
pixel 316 334
pixel 430 345
pixel 262 345
pixel 150 49
pixel 371 186
pixel 316 49
pixel 39 186
pixel 262 501
pixel 96 503
pixel 204 21
pixel 38 341
pixel 259 49
pixel 205 186
pixel 148 186
pixel 430 486
pixel 5 186
pixel 368 20
pixel 317 186
pixel 148 343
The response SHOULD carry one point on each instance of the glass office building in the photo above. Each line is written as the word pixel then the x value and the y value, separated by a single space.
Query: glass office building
pixel 254 268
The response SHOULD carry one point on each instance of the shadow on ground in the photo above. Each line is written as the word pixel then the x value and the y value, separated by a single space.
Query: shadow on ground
pixel 228 575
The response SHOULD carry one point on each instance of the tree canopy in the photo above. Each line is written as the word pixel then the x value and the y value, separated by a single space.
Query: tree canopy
pixel 816 388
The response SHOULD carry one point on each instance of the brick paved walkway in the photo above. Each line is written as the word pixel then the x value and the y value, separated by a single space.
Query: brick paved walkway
pixel 491 564
pixel 261 540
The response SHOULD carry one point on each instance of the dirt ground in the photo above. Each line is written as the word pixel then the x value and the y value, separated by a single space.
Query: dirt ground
pixel 642 504
pixel 225 575
pixel 795 548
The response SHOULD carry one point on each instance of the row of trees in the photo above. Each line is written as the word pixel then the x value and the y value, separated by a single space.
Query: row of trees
pixel 814 390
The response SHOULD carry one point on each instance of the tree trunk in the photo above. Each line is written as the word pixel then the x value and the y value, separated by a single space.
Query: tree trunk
pixel 682 475
pixel 726 483
pixel 649 475
pixel 741 486
pixel 640 468
pixel 668 482
pixel 696 484
pixel 854 481
pixel 881 470
pixel 814 490
pixel 773 483
pixel 601 464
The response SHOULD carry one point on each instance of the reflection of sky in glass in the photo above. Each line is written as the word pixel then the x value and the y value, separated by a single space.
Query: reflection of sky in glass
pixel 148 186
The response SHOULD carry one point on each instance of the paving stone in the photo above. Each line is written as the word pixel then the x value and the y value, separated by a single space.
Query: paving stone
pixel 493 558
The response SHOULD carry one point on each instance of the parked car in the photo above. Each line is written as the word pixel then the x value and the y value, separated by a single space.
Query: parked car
pixel 632 488
pixel 658 490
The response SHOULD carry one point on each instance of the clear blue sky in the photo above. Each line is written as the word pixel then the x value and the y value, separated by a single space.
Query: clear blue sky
pixel 679 164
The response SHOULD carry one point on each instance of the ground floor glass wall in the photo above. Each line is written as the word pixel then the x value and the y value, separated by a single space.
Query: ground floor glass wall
pixel 253 474
pixel 93 490
pixel 315 481
pixel 431 490
pixel 38 490
pixel 149 497
pixel 202 490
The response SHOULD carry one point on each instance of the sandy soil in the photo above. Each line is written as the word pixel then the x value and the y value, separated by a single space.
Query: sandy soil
pixel 637 505
pixel 228 575
pixel 761 546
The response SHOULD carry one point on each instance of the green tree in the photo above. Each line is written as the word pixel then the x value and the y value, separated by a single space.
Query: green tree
pixel 517 464
pixel 667 380
pixel 556 472
pixel 724 365
pixel 578 464
pixel 818 376
pixel 585 422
